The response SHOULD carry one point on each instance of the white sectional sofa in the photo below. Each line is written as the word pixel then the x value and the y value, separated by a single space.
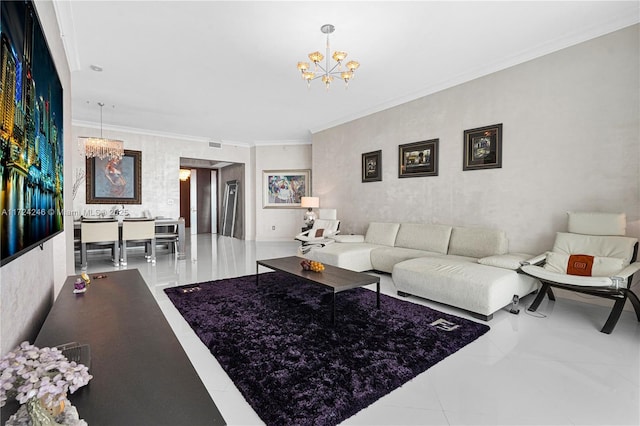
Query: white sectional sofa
pixel 469 268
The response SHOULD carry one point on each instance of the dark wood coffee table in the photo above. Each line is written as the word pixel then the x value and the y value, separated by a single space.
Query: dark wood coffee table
pixel 337 279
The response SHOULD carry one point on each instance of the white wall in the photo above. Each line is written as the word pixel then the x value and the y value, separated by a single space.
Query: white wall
pixel 161 186
pixel 160 168
pixel 571 143
pixel 287 222
pixel 28 283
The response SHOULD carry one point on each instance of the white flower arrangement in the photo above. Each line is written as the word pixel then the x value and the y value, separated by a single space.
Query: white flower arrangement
pixel 44 373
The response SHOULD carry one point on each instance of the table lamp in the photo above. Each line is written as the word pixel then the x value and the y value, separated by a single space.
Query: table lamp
pixel 310 203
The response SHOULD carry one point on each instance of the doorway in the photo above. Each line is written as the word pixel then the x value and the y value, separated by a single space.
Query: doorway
pixel 202 195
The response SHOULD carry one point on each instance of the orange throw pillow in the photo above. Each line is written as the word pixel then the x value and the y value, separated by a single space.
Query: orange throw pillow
pixel 319 233
pixel 580 264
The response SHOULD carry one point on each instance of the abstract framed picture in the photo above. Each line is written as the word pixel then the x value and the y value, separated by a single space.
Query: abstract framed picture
pixel 483 148
pixel 31 134
pixel 115 181
pixel 418 159
pixel 372 166
pixel 285 188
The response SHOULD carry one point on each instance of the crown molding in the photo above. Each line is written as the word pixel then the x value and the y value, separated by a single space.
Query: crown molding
pixel 138 131
pixel 541 50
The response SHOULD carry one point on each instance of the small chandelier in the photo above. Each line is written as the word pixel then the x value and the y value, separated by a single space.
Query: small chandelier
pixel 100 147
pixel 329 70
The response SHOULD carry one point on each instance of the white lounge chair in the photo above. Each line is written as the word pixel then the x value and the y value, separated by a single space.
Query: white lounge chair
pixel 593 257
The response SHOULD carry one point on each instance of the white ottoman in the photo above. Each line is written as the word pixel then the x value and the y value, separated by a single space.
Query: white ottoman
pixel 479 289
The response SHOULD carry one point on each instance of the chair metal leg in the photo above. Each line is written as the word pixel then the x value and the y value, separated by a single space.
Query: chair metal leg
pixel 546 289
pixel 116 253
pixel 614 316
pixel 550 294
pixel 635 302
pixel 83 256
pixel 123 249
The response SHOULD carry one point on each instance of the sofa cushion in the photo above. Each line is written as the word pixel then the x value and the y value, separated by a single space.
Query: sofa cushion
pixel 477 288
pixel 352 256
pixel 382 233
pixel 600 267
pixel 349 238
pixel 477 242
pixel 383 258
pixel 595 245
pixel 424 236
pixel 506 261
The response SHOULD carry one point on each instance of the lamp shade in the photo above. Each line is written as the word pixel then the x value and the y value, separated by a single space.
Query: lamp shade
pixel 310 202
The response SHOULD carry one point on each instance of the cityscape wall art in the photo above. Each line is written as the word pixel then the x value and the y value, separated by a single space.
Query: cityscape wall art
pixel 31 134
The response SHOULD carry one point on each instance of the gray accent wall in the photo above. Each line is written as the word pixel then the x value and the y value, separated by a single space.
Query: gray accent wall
pixel 571 143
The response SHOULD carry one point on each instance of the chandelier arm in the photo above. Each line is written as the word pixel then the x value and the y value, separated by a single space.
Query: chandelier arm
pixel 323 69
pixel 332 70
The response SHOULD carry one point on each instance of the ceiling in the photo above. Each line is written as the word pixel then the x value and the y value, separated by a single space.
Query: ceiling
pixel 226 71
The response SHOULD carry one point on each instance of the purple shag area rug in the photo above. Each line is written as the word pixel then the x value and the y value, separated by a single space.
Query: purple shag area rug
pixel 276 343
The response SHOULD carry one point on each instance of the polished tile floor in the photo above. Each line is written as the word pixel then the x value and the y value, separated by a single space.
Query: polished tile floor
pixel 552 367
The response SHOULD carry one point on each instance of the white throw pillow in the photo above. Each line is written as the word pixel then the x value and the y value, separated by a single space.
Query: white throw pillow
pixel 505 261
pixel 602 266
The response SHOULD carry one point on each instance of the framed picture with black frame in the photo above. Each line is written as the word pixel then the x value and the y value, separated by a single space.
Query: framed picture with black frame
pixel 418 159
pixel 111 181
pixel 483 148
pixel 372 166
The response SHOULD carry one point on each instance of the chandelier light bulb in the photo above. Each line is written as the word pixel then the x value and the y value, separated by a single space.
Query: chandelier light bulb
pixel 327 70
pixel 353 65
pixel 316 57
pixel 339 56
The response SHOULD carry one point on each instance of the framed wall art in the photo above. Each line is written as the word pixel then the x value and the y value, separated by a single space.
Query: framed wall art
pixel 372 166
pixel 483 148
pixel 285 188
pixel 31 134
pixel 418 159
pixel 113 181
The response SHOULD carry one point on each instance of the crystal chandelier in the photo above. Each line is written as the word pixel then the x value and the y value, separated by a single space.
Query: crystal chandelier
pixel 329 70
pixel 100 147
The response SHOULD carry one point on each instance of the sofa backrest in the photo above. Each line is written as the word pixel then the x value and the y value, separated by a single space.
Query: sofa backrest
pixel 424 236
pixel 382 233
pixel 477 242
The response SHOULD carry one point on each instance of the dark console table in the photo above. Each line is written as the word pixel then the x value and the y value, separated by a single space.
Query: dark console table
pixel 141 374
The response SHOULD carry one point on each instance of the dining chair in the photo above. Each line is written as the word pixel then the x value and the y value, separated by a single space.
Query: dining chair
pixel 99 232
pixel 169 237
pixel 139 230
